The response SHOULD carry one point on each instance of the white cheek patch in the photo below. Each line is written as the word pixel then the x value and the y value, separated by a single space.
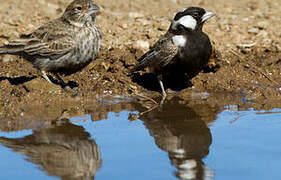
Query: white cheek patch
pixel 187 21
pixel 179 40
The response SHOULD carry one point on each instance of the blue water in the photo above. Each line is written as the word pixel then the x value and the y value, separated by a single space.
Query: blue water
pixel 179 145
pixel 249 148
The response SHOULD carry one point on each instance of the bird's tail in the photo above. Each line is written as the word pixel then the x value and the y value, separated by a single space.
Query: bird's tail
pixel 5 142
pixel 144 61
pixel 136 68
pixel 13 47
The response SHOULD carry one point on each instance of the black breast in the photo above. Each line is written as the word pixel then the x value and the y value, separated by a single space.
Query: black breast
pixel 195 55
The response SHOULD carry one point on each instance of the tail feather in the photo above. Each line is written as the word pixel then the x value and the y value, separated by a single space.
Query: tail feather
pixel 5 142
pixel 144 61
pixel 13 47
pixel 136 68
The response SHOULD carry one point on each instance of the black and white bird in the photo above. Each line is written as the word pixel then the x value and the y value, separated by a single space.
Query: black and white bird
pixel 184 46
pixel 64 45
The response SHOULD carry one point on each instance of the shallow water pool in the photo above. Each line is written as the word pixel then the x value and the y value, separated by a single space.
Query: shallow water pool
pixel 171 142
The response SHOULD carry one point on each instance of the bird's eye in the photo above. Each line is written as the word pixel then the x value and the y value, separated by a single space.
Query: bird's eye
pixel 79 8
pixel 195 14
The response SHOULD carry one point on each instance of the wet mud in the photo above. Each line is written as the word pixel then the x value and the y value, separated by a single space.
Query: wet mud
pixel 245 67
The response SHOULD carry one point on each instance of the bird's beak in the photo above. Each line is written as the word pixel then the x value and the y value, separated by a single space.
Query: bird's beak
pixel 207 15
pixel 94 9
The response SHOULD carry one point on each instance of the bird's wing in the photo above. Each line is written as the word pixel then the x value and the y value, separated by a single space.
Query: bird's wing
pixel 159 55
pixel 47 41
pixel 47 47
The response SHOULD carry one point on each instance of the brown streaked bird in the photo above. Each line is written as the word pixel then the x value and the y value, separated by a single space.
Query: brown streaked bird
pixel 184 45
pixel 64 45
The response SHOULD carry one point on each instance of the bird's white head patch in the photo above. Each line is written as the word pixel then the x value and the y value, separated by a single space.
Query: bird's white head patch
pixel 187 21
pixel 179 40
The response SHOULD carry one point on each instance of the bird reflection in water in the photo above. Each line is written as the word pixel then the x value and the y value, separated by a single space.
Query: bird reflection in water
pixel 178 130
pixel 64 150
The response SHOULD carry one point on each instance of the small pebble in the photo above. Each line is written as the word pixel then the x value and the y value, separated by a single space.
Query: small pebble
pixel 253 30
pixel 262 24
pixel 7 58
pixel 144 21
pixel 140 44
pixel 124 26
pixel 135 15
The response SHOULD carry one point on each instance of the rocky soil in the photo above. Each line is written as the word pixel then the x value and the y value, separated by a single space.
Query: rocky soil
pixel 246 59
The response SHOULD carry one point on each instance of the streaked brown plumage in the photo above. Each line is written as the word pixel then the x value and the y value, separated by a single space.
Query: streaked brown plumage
pixel 64 45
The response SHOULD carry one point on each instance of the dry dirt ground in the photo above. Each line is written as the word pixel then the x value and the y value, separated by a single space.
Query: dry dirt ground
pixel 246 60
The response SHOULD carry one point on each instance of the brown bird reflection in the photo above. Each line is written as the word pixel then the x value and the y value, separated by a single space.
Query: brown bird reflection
pixel 64 150
pixel 178 130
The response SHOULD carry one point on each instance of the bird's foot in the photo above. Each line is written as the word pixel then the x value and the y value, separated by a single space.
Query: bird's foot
pixel 59 81
pixel 46 77
pixel 164 95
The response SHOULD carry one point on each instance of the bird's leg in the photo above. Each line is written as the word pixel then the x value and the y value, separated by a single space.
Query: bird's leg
pixel 164 95
pixel 59 78
pixel 46 77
